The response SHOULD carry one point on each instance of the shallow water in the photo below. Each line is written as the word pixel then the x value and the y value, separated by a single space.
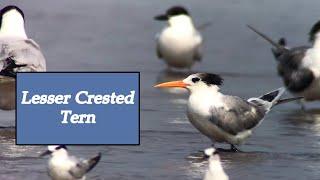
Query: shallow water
pixel 95 35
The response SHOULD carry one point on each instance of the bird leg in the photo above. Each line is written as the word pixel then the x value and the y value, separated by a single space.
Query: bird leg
pixel 301 102
pixel 233 148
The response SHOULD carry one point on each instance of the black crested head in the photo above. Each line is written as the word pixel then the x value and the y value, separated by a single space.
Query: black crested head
pixel 314 30
pixel 177 10
pixel 173 11
pixel 211 79
pixel 61 147
pixel 8 8
pixel 11 7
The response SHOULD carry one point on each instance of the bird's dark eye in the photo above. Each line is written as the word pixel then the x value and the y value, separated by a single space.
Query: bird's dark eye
pixel 196 79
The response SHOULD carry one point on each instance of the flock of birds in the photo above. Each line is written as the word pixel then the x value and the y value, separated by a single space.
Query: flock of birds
pixel 222 118
pixel 230 119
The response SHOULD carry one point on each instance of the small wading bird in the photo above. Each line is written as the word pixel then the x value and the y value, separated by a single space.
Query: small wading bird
pixel 215 170
pixel 18 52
pixel 179 43
pixel 62 166
pixel 299 67
pixel 220 117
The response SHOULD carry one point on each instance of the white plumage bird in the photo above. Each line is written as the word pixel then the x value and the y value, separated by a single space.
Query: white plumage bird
pixel 62 166
pixel 17 51
pixel 179 43
pixel 224 118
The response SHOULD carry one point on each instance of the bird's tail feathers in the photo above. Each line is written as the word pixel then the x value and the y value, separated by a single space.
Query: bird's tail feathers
pixel 93 162
pixel 286 100
pixel 273 97
pixel 268 100
pixel 204 26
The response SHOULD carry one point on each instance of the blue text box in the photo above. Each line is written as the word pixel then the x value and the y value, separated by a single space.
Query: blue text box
pixel 77 108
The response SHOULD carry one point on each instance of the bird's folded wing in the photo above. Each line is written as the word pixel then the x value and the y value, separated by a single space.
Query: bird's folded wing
pixel 84 166
pixel 292 59
pixel 298 80
pixel 158 51
pixel 203 26
pixel 24 52
pixel 198 48
pixel 237 116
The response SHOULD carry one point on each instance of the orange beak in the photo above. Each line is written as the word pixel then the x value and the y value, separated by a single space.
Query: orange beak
pixel 172 84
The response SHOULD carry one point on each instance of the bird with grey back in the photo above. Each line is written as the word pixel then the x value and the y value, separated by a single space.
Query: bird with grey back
pixel 224 118
pixel 299 67
pixel 18 53
pixel 63 166
pixel 179 44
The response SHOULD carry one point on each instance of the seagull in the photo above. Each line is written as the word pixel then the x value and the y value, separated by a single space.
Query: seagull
pixel 224 118
pixel 299 67
pixel 18 53
pixel 179 44
pixel 215 170
pixel 62 166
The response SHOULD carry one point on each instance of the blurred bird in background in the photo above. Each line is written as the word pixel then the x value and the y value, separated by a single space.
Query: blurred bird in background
pixel 179 44
pixel 299 67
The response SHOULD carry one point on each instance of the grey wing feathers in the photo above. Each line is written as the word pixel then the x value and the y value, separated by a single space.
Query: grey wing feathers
pixel 24 52
pixel 237 116
pixel 198 53
pixel 204 26
pixel 158 51
pixel 292 58
pixel 299 80
pixel 83 167
pixel 294 76
pixel 198 48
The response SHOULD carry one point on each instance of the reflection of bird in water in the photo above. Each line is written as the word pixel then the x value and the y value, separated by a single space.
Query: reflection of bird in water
pixel 7 133
pixel 303 129
pixel 215 170
pixel 300 117
pixel 9 149
pixel 7 93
